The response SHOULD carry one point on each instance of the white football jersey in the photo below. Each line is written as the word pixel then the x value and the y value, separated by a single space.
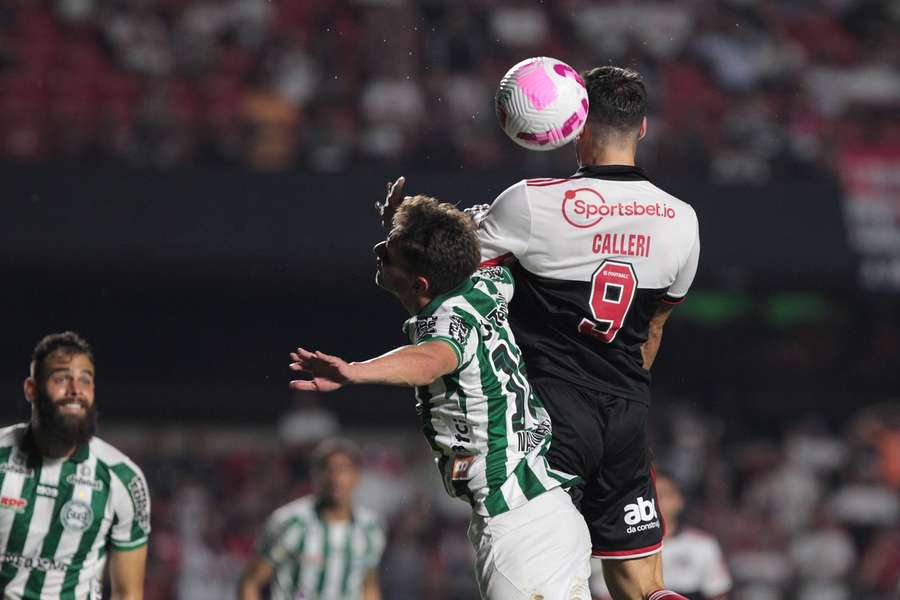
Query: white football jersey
pixel 596 254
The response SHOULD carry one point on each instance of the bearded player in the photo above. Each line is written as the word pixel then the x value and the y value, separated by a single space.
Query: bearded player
pixel 68 500
pixel 600 259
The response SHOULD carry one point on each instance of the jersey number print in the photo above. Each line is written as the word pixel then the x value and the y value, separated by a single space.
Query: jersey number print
pixel 612 289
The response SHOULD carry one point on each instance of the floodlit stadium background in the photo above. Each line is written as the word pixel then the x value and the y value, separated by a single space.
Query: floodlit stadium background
pixel 188 183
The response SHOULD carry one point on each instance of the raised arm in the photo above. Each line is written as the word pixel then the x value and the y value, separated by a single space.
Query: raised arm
pixel 406 366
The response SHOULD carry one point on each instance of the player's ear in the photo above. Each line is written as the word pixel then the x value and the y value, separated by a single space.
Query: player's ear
pixel 29 387
pixel 643 130
pixel 421 286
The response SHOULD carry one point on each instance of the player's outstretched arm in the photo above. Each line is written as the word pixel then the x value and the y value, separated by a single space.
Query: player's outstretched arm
pixel 407 366
pixel 126 573
pixel 392 200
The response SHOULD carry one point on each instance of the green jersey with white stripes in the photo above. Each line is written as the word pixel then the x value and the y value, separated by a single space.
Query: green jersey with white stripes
pixel 316 559
pixel 488 430
pixel 60 517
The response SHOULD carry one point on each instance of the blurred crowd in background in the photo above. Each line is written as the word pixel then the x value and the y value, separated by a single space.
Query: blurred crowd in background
pixel 806 512
pixel 740 90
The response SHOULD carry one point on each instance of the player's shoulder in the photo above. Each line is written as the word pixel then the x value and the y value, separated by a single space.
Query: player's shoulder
pixel 302 508
pixel 114 459
pixel 673 201
pixel 12 435
pixel 542 182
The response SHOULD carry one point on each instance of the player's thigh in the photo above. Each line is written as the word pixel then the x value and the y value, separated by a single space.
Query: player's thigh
pixel 578 444
pixel 541 549
pixel 633 579
pixel 620 504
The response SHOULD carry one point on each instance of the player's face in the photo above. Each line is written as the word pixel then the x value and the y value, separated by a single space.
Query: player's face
pixel 337 479
pixel 391 273
pixel 670 499
pixel 63 397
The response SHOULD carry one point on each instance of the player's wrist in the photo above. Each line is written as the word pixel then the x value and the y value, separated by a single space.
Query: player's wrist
pixel 355 373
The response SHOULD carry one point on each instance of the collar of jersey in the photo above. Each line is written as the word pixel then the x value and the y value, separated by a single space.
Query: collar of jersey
pixel 80 455
pixel 462 288
pixel 621 172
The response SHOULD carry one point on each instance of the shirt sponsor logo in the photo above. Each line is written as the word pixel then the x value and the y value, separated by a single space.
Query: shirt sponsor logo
pixel 88 481
pixel 532 438
pixel 12 503
pixel 459 330
pixel 426 327
pixel 27 562
pixel 585 207
pixel 141 499
pixel 15 468
pixel 641 515
pixel 47 490
pixel 499 315
pixel 76 515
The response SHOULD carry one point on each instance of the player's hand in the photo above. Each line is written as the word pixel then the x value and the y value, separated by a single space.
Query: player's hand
pixel 392 200
pixel 329 373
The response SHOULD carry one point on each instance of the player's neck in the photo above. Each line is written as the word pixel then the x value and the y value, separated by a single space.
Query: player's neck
pixel 609 156
pixel 337 513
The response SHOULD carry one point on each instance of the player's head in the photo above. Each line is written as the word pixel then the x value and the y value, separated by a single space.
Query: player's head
pixel 60 388
pixel 618 110
pixel 432 248
pixel 336 466
pixel 669 498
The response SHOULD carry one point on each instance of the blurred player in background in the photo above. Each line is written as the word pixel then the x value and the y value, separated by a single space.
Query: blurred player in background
pixel 322 546
pixel 68 500
pixel 692 559
pixel 599 259
pixel 488 431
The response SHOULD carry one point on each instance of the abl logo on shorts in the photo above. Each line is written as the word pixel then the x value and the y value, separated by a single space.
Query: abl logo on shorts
pixel 643 512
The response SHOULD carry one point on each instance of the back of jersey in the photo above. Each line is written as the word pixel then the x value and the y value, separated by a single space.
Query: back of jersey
pixel 597 254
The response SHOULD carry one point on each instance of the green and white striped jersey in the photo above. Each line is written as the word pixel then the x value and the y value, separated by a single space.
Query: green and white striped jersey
pixel 315 559
pixel 488 430
pixel 60 517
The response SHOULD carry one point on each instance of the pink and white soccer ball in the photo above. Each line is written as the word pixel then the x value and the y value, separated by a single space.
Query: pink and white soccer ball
pixel 541 103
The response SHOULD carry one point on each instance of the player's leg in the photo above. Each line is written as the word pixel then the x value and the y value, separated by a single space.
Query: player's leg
pixel 633 579
pixel 538 550
pixel 620 504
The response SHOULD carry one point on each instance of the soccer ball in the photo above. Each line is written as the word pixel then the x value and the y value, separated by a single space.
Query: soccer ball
pixel 541 103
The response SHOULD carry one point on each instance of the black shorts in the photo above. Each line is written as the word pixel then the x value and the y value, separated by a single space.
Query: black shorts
pixel 603 439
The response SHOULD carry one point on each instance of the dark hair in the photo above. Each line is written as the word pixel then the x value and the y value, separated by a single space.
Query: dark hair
pixel 617 96
pixel 328 448
pixel 68 342
pixel 437 240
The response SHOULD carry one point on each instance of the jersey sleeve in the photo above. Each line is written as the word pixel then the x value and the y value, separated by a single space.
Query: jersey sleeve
pixel 131 507
pixel 375 542
pixel 505 228
pixel 448 326
pixel 685 277
pixel 717 579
